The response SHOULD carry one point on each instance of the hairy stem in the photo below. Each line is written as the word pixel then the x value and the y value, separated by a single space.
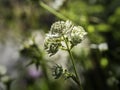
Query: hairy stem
pixel 72 61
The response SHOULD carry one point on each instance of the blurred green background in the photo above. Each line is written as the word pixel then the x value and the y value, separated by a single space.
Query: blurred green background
pixel 97 57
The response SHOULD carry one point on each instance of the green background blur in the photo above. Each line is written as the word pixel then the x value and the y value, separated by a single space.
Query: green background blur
pixel 98 62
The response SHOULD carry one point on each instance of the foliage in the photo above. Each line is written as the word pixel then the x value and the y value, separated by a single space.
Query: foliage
pixel 97 58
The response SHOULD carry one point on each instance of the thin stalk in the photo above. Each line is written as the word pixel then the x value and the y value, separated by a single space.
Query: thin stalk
pixel 72 60
pixel 51 10
pixel 43 65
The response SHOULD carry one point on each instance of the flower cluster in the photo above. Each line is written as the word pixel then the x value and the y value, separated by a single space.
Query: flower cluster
pixel 63 32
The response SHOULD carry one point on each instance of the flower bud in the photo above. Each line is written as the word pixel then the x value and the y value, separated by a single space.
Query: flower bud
pixel 57 71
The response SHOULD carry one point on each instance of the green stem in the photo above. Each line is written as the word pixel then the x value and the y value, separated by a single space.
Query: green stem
pixel 43 66
pixel 72 60
pixel 51 10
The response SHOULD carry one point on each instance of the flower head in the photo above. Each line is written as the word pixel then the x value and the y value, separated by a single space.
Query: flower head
pixel 61 27
pixel 57 27
pixel 52 43
pixel 77 35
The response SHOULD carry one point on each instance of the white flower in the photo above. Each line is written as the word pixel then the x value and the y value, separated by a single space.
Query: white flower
pixel 77 35
pixel 61 27
pixel 57 27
